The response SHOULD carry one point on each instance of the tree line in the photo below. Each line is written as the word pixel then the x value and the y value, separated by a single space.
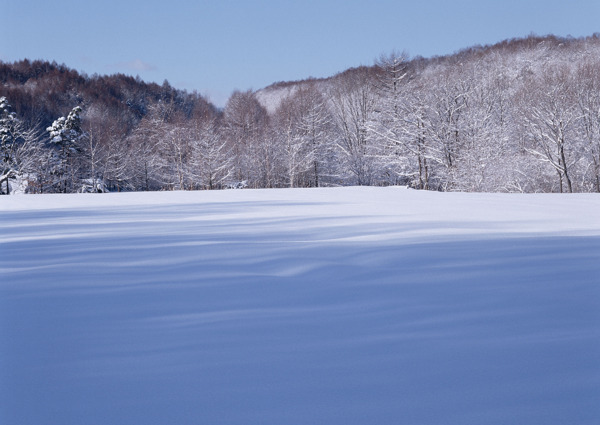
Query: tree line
pixel 519 116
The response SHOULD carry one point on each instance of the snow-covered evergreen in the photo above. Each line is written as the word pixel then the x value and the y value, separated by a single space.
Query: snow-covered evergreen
pixel 8 140
pixel 66 136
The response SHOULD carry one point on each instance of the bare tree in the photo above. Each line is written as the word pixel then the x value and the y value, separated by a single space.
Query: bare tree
pixel 298 127
pixel 352 102
pixel 143 145
pixel 315 121
pixel 447 101
pixel 549 115
pixel 211 156
pixel 587 85
pixel 388 124
pixel 245 122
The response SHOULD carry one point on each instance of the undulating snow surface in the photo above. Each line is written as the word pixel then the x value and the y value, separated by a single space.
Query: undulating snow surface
pixel 318 306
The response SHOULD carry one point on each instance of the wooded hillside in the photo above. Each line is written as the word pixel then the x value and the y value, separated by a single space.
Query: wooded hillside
pixel 522 115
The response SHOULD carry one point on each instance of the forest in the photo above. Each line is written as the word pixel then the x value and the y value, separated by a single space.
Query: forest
pixel 522 115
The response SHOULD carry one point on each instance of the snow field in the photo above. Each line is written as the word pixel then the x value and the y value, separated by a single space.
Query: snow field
pixel 345 305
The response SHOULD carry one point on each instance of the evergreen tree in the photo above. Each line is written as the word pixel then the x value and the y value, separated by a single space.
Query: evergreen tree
pixel 66 135
pixel 8 140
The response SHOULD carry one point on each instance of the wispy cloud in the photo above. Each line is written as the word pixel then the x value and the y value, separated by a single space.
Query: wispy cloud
pixel 135 65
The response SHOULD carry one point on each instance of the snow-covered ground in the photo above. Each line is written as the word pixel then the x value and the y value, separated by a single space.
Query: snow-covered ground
pixel 318 306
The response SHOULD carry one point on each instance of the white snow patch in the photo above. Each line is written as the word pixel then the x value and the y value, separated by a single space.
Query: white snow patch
pixel 296 306
pixel 271 97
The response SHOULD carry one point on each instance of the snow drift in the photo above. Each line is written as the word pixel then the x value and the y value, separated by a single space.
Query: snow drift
pixel 332 306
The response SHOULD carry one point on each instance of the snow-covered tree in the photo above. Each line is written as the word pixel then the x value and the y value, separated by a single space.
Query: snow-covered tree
pixel 587 86
pixel 21 152
pixel 104 154
pixel 550 115
pixel 391 122
pixel 212 161
pixel 144 161
pixel 66 136
pixel 245 124
pixel 448 95
pixel 352 102
pixel 297 127
pixel 8 141
pixel 314 125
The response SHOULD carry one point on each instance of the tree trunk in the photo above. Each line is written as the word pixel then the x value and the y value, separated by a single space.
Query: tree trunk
pixel 565 171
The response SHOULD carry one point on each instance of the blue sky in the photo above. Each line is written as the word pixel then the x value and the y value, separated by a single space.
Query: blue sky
pixel 215 47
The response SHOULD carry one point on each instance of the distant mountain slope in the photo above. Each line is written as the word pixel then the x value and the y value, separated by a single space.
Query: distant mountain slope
pixel 530 49
pixel 42 91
